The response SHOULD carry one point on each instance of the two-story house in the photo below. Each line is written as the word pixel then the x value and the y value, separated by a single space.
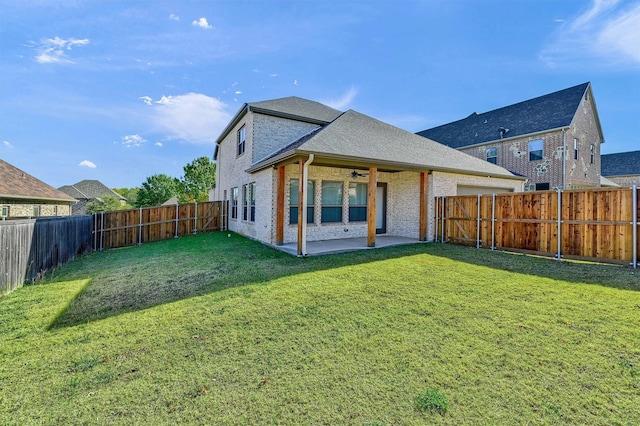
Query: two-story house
pixel 363 177
pixel 554 140
pixel 622 168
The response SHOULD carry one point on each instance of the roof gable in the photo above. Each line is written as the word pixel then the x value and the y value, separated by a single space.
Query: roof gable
pixel 18 184
pixel 620 164
pixel 552 111
pixel 360 137
pixel 89 189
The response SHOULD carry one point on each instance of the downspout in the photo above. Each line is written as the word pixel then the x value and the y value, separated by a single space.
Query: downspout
pixel 305 177
pixel 564 159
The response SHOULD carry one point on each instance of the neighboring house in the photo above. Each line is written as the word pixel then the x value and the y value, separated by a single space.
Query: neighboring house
pixel 89 190
pixel 269 147
pixel 623 168
pixel 554 140
pixel 24 196
pixel 171 201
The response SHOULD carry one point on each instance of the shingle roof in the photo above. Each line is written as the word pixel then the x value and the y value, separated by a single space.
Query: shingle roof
pixel 362 138
pixel 297 107
pixel 17 184
pixel 552 111
pixel 620 164
pixel 89 189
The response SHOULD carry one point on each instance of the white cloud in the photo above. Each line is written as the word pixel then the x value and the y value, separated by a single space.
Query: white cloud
pixel 273 75
pixel 7 144
pixel 344 101
pixel 193 117
pixel 174 17
pixel 133 141
pixel 158 144
pixel 87 163
pixel 607 32
pixel 54 50
pixel 202 23
pixel 238 92
pixel 146 99
pixel 295 82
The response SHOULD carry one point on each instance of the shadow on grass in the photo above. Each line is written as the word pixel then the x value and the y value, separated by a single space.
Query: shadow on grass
pixel 136 278
pixel 608 275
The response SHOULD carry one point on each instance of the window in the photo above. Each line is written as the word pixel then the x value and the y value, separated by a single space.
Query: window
pixel 492 155
pixel 592 153
pixel 535 150
pixel 234 203
pixel 245 202
pixel 542 186
pixel 293 203
pixel 242 137
pixel 252 202
pixel 5 211
pixel 36 211
pixel 575 149
pixel 357 202
pixel 331 202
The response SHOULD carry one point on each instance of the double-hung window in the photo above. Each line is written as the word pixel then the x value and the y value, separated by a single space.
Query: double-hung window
pixel 252 202
pixel 536 148
pixel 293 201
pixel 331 202
pixel 245 202
pixel 592 153
pixel 357 202
pixel 242 137
pixel 5 211
pixel 234 203
pixel 492 155
pixel 575 149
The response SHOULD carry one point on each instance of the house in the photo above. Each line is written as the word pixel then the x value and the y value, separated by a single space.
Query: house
pixel 623 168
pixel 554 140
pixel 87 191
pixel 24 196
pixel 364 177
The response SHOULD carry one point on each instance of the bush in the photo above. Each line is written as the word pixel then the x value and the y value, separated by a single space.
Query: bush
pixel 432 400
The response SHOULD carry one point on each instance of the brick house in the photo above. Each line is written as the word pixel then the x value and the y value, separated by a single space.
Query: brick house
pixel 554 140
pixel 623 168
pixel 87 191
pixel 24 196
pixel 364 177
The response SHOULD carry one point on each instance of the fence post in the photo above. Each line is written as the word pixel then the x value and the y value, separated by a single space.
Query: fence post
pixel 559 224
pixel 101 229
pixel 177 214
pixel 478 225
pixel 95 231
pixel 195 218
pixel 493 221
pixel 140 229
pixel 635 226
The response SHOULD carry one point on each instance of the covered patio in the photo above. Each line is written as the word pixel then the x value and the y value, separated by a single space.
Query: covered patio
pixel 319 248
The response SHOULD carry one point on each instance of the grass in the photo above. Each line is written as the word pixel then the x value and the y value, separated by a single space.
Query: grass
pixel 214 330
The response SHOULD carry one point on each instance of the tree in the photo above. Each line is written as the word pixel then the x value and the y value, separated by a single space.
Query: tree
pixel 156 190
pixel 199 177
pixel 131 194
pixel 107 203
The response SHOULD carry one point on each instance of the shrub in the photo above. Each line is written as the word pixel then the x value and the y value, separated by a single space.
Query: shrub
pixel 432 400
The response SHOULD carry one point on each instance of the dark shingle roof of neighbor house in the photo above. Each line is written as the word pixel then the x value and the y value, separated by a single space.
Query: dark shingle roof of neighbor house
pixel 89 190
pixel 620 164
pixel 360 138
pixel 17 184
pixel 552 111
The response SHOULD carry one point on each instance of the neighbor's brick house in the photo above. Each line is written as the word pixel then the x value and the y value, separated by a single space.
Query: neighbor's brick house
pixel 554 140
pixel 24 196
pixel 89 190
pixel 269 147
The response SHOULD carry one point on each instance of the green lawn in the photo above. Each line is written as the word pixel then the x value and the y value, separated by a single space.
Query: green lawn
pixel 209 329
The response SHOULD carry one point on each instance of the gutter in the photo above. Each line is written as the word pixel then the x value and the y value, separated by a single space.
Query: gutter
pixel 305 176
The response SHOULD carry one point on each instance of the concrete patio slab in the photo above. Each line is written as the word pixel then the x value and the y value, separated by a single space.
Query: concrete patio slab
pixel 318 248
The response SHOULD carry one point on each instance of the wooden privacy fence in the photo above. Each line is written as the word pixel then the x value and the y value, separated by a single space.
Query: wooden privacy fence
pixel 594 224
pixel 31 247
pixel 133 227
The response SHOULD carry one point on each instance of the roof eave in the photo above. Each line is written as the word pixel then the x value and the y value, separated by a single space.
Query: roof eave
pixel 513 138
pixel 33 198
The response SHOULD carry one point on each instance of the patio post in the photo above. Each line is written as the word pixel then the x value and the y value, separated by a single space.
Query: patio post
pixel 371 207
pixel 280 208
pixel 301 193
pixel 423 206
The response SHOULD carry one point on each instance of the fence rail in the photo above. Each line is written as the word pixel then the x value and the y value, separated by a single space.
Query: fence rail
pixel 595 224
pixel 137 226
pixel 31 247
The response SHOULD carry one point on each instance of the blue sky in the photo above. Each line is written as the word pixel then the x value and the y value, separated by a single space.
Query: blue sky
pixel 121 90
